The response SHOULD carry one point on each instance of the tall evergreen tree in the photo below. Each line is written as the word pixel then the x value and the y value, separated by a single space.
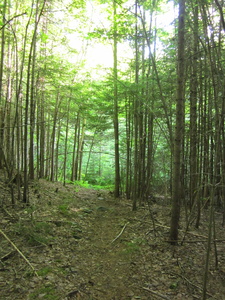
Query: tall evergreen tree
pixel 115 115
pixel 179 130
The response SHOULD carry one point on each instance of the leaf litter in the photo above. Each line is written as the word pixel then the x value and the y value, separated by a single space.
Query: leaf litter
pixel 83 244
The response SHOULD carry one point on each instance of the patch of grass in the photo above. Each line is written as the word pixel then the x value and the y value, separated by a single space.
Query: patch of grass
pixel 95 186
pixel 133 246
pixel 43 227
pixel 87 185
pixel 63 271
pixel 140 241
pixel 47 292
pixel 83 184
pixel 44 271
pixel 77 233
pixel 174 285
pixel 63 209
pixel 109 187
pixel 35 233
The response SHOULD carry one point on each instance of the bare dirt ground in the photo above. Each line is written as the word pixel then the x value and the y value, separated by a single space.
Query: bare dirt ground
pixel 76 243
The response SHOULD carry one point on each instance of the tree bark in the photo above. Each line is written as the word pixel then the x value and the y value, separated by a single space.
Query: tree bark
pixel 179 130
pixel 115 117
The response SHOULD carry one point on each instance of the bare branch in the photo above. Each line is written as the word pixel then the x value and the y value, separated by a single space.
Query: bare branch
pixel 120 233
pixel 7 22
pixel 15 247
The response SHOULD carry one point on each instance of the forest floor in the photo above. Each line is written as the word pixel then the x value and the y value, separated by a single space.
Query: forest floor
pixel 77 243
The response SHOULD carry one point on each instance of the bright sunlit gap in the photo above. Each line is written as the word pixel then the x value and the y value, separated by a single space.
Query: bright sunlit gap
pixel 98 55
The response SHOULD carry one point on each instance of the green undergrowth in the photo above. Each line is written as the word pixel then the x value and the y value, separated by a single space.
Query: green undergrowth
pixel 44 271
pixel 133 246
pixel 47 270
pixel 35 233
pixel 87 185
pixel 64 210
pixel 45 292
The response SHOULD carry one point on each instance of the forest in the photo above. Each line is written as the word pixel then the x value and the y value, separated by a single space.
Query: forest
pixel 112 139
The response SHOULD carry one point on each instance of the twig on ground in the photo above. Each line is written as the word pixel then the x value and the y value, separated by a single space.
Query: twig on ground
pixel 155 293
pixel 7 256
pixel 193 284
pixel 15 247
pixel 7 213
pixel 121 232
pixel 188 232
pixel 188 281
pixel 203 241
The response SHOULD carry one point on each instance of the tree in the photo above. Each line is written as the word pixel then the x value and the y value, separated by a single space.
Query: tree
pixel 193 117
pixel 30 103
pixel 115 116
pixel 2 113
pixel 179 130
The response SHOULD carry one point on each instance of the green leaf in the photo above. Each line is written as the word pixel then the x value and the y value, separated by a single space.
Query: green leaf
pixel 44 37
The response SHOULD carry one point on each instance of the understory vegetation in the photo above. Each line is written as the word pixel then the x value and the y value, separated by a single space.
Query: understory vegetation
pixel 79 243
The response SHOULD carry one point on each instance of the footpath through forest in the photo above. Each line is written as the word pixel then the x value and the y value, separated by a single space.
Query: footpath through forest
pixel 77 243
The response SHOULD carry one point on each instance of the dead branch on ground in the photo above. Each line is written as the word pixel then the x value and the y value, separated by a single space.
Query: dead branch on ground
pixel 20 253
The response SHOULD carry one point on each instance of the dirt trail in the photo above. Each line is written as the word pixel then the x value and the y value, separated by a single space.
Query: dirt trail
pixel 85 245
pixel 110 257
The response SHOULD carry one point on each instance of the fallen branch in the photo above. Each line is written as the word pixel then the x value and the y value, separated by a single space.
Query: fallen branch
pixel 8 214
pixel 7 256
pixel 121 232
pixel 15 247
pixel 194 285
pixel 181 230
pixel 155 293
pixel 186 232
pixel 201 241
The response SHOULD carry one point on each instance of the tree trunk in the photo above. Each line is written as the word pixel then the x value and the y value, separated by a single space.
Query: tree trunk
pixel 2 112
pixel 77 124
pixel 193 119
pixel 54 136
pixel 128 147
pixel 28 103
pixel 115 118
pixel 89 153
pixel 179 130
pixel 136 116
pixel 81 147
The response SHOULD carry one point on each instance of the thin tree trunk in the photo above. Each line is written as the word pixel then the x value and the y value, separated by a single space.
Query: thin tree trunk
pixel 28 102
pixel 54 136
pixel 73 174
pixel 32 111
pixel 56 154
pixel 2 112
pixel 115 117
pixel 89 154
pixel 41 137
pixel 66 143
pixel 193 120
pixel 128 147
pixel 76 162
pixel 81 147
pixel 179 130
pixel 136 116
